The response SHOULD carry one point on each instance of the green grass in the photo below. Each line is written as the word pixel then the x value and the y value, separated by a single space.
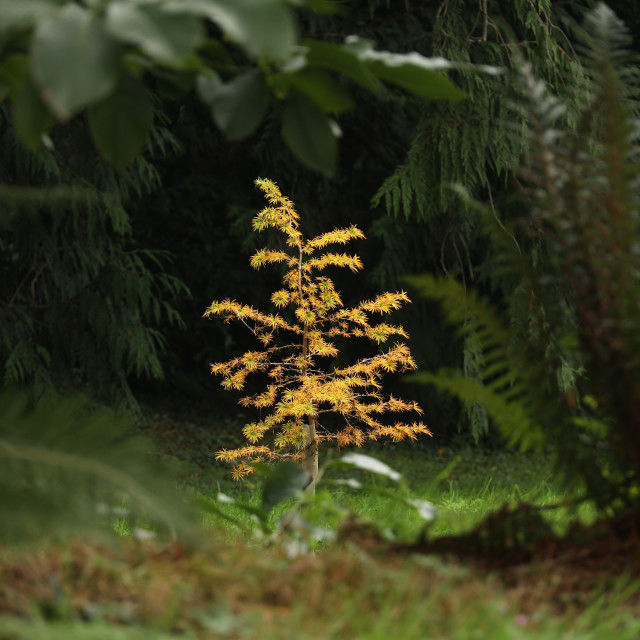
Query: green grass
pixel 16 629
pixel 464 485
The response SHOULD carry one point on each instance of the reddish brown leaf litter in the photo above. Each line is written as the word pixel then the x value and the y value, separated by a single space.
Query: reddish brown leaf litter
pixel 169 587
pixel 539 568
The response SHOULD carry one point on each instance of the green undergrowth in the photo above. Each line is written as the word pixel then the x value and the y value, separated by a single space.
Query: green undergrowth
pixel 405 615
pixel 464 484
pixel 235 591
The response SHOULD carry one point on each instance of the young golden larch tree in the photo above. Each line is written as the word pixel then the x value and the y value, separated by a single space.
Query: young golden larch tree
pixel 300 390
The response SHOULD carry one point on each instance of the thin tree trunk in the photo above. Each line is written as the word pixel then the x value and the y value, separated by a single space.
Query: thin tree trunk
pixel 310 460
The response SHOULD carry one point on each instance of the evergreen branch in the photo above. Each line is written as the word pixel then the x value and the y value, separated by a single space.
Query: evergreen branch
pixel 578 293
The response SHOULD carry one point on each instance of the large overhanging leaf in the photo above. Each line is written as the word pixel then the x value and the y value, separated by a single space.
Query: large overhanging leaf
pixel 308 132
pixel 412 71
pixel 318 85
pixel 341 59
pixel 237 106
pixel 26 13
pixel 31 118
pixel 168 38
pixel 265 29
pixel 358 60
pixel 417 79
pixel 75 62
pixel 121 123
pixel 328 7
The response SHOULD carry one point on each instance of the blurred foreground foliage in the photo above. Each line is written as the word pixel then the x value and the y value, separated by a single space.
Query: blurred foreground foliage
pixel 68 468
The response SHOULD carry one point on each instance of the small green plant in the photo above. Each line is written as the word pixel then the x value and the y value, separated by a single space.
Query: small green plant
pixel 283 510
pixel 300 390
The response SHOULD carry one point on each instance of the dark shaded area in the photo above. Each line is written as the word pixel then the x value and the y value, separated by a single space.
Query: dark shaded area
pixel 191 194
pixel 517 544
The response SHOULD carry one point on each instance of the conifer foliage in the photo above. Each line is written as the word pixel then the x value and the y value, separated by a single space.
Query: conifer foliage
pixel 300 390
pixel 580 289
pixel 81 299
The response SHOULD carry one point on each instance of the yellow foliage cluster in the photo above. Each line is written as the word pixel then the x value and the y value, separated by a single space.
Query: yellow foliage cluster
pixel 301 390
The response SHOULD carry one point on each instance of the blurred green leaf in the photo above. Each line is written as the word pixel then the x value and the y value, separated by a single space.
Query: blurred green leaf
pixel 14 71
pixel 418 80
pixel 176 83
pixel 264 28
pixel 358 60
pixel 367 463
pixel 75 62
pixel 341 59
pixel 209 506
pixel 237 106
pixel 31 117
pixel 412 71
pixel 258 514
pixel 168 38
pixel 308 132
pixel 319 6
pixel 207 86
pixel 120 124
pixel 26 13
pixel 284 480
pixel 322 88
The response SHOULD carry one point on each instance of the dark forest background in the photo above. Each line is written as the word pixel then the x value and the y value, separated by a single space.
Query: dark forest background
pixel 105 273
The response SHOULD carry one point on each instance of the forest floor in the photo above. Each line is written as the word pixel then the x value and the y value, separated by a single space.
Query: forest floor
pixel 498 572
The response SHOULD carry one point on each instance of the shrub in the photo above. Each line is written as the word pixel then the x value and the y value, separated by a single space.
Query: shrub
pixel 300 390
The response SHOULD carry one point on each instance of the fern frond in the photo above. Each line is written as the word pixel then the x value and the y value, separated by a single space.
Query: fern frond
pixel 504 375
pixel 579 293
